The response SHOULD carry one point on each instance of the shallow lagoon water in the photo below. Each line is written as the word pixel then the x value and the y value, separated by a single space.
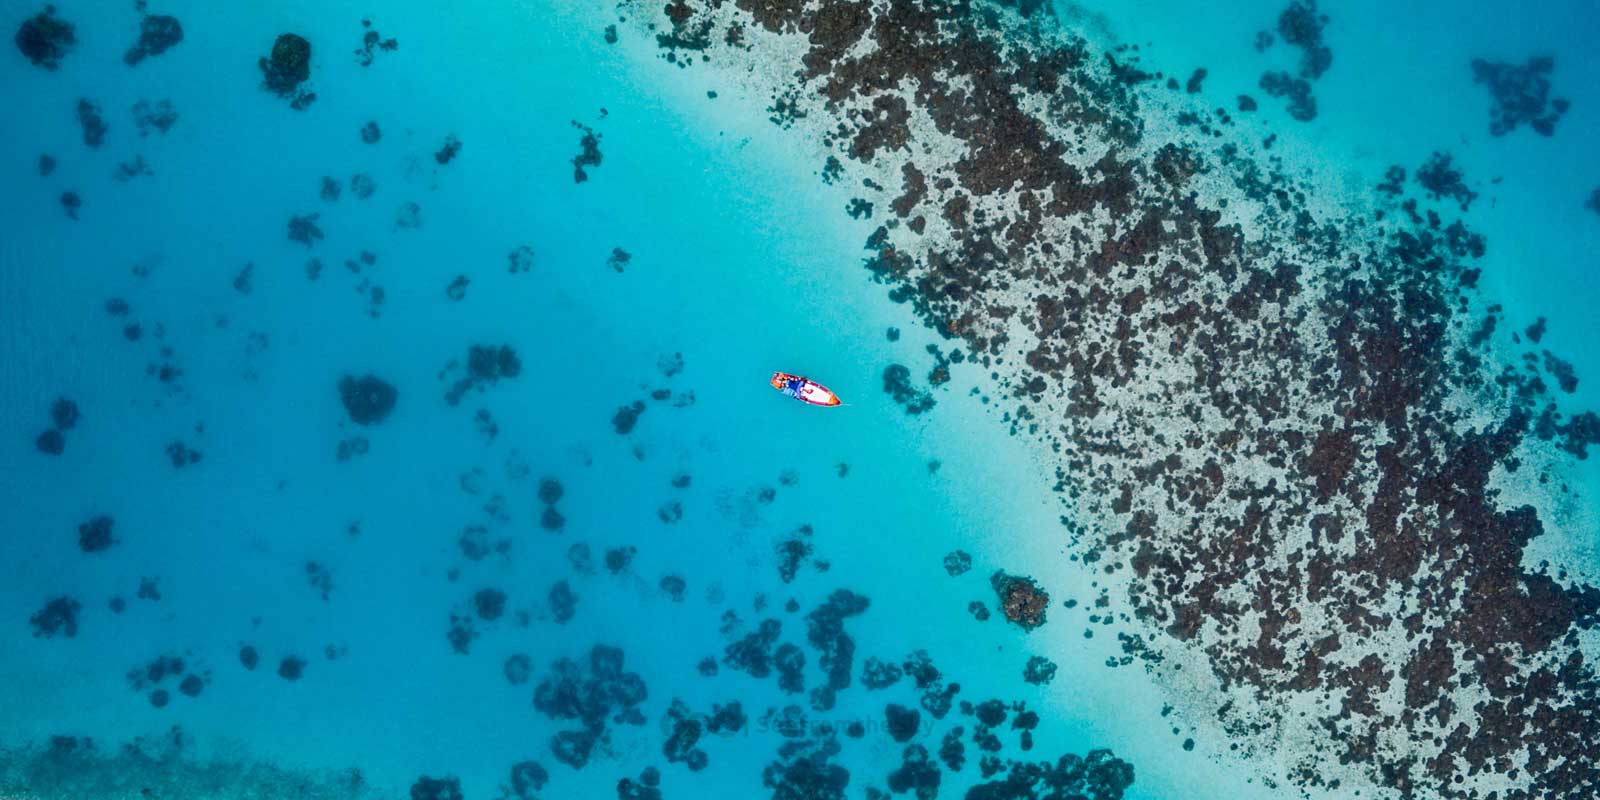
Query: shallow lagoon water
pixel 720 272
pixel 740 260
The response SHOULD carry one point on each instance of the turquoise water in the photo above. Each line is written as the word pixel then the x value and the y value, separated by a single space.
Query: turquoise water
pixel 739 261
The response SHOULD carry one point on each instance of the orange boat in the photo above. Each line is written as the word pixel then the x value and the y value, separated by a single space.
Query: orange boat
pixel 804 389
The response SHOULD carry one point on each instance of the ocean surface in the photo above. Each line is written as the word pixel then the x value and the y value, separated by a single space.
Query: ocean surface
pixel 387 414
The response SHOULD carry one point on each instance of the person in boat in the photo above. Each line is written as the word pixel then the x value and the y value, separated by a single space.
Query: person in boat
pixel 794 386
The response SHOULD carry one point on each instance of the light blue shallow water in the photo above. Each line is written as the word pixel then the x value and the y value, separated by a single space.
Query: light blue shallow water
pixel 739 264
pixel 740 261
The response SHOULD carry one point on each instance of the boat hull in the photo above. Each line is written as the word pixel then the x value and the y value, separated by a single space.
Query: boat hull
pixel 809 392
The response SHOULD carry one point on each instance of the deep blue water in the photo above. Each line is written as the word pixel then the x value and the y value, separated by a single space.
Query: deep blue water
pixel 739 262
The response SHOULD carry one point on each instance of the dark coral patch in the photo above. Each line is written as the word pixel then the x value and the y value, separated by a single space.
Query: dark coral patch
pixel 447 151
pixel 1021 599
pixel 563 602
pixel 95 535
pixel 1039 670
pixel 291 668
pixel 487 365
pixel 1300 25
pixel 1521 95
pixel 92 123
pixel 957 562
pixel 490 603
pixel 627 417
pixel 527 778
pixel 446 788
pixel 59 616
pixel 285 71
pixel 898 385
pixel 518 668
pixel 594 694
pixel 1442 179
pixel 373 43
pixel 158 33
pixel 902 722
pixel 589 154
pixel 45 39
pixel 303 227
pixel 367 399
pixel 1302 105
pixel 51 442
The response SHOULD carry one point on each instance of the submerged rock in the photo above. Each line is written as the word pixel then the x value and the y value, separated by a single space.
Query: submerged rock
pixel 619 259
pixel 287 68
pixel 303 227
pixel 191 685
pixel 58 616
pixel 93 124
pixel 647 787
pixel 527 777
pixel 408 216
pixel 490 604
pixel 897 383
pixel 803 770
pixel 552 520
pixel 595 693
pixel 674 586
pixel 446 788
pixel 618 558
pixel 563 602
pixel 487 364
pixel 95 535
pixel 1021 599
pixel 957 562
pixel 1521 95
pixel 1039 670
pixel 291 668
pixel 159 116
pixel 64 414
pixel 367 399
pixel 589 153
pixel 518 668
pixel 902 722
pixel 362 185
pixel 917 774
pixel 684 731
pixel 1301 26
pixel 520 260
pixel 51 442
pixel 1302 106
pixel 573 747
pixel 373 43
pixel 627 417
pixel 448 151
pixel 44 40
pixel 1440 177
pixel 157 34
